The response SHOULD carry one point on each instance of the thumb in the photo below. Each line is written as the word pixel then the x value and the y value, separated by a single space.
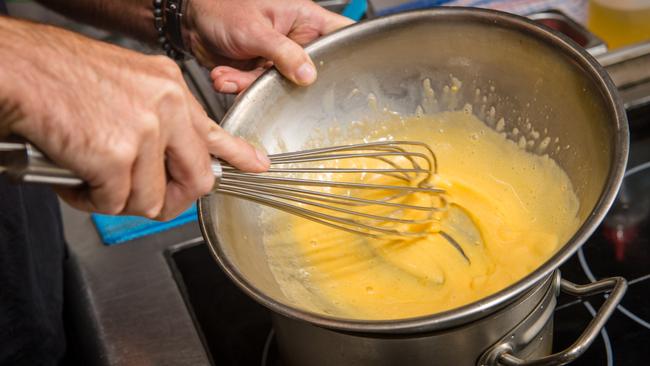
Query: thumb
pixel 288 56
pixel 236 151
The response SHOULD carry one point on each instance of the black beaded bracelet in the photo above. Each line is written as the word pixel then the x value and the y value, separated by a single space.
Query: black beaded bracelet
pixel 168 20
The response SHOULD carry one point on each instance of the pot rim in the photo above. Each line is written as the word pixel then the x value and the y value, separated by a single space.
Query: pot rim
pixel 492 303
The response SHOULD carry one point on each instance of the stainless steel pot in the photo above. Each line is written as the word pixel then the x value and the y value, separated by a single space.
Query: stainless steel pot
pixel 527 75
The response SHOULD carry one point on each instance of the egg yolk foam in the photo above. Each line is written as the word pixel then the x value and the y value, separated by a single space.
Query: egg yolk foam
pixel 523 205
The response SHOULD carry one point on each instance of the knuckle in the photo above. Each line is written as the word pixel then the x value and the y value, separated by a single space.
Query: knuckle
pixel 202 183
pixel 148 210
pixel 172 91
pixel 153 212
pixel 149 126
pixel 155 207
pixel 199 187
pixel 121 155
pixel 205 184
pixel 168 67
pixel 171 100
pixel 216 136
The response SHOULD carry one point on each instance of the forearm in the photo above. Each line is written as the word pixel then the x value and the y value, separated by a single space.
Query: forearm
pixel 14 44
pixel 36 61
pixel 124 122
pixel 132 17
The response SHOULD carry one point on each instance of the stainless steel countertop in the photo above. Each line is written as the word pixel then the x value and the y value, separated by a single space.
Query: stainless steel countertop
pixel 127 308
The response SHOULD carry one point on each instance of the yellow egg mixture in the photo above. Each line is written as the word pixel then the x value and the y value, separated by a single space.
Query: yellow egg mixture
pixel 522 203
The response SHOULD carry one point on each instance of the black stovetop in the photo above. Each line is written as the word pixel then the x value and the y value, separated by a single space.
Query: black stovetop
pixel 235 329
pixel 619 247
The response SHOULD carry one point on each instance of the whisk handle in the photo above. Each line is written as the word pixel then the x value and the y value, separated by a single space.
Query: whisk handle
pixel 24 163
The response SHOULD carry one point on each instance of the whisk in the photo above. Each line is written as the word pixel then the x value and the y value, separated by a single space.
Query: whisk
pixel 285 187
pixel 365 188
pixel 372 197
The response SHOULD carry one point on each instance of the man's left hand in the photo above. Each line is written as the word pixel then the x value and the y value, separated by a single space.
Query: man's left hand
pixel 242 38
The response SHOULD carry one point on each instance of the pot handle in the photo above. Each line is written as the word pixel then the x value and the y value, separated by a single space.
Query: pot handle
pixel 501 353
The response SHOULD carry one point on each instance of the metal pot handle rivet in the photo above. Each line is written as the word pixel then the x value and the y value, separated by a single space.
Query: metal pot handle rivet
pixel 500 354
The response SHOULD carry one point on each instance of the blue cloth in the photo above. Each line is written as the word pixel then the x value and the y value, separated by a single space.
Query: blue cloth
pixel 355 9
pixel 119 229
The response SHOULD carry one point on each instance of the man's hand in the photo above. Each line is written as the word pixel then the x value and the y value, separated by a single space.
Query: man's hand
pixel 124 122
pixel 244 37
pixel 241 38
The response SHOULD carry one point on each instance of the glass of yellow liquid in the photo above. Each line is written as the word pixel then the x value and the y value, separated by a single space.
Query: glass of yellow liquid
pixel 620 22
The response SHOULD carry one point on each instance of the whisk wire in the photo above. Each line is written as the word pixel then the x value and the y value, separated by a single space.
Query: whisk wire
pixel 315 203
pixel 337 202
pixel 340 223
pixel 244 177
pixel 336 198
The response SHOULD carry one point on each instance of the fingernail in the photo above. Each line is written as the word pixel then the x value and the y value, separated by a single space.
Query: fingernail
pixel 215 72
pixel 228 87
pixel 306 74
pixel 262 158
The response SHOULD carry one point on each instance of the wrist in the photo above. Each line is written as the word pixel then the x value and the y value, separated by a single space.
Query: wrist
pixel 132 17
pixel 170 24
pixel 188 26
pixel 192 36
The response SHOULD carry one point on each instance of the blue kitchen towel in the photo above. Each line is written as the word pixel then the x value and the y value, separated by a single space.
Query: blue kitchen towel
pixel 355 9
pixel 118 229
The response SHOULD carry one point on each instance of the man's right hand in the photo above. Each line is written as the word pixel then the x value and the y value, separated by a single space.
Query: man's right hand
pixel 124 122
